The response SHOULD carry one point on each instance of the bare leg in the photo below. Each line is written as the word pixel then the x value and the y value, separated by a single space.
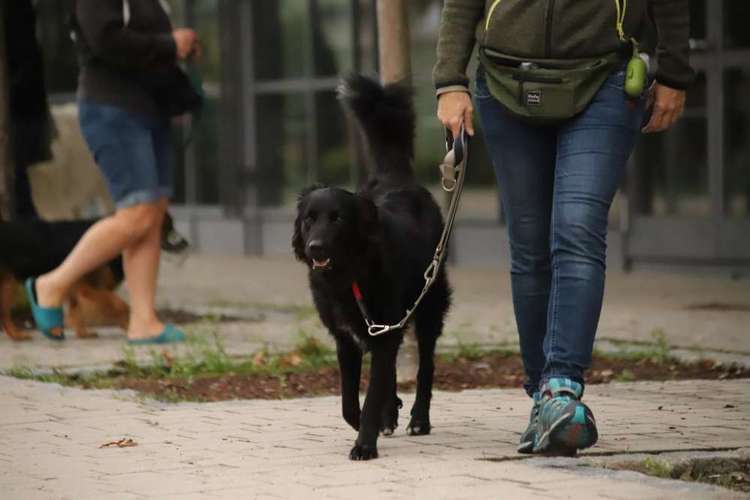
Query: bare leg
pixel 101 243
pixel 141 269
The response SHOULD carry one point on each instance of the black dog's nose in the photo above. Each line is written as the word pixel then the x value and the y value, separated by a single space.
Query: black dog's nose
pixel 315 249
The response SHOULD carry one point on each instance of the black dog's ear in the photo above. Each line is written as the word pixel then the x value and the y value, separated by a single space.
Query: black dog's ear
pixel 298 241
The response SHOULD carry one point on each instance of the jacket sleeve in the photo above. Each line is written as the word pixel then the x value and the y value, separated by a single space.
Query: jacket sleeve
pixel 456 41
pixel 102 25
pixel 672 20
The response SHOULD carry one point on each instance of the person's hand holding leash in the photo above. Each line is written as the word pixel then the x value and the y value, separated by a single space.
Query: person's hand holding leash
pixel 455 108
pixel 668 104
pixel 186 41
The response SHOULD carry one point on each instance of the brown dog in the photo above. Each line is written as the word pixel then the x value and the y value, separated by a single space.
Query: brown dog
pixel 92 302
pixel 32 248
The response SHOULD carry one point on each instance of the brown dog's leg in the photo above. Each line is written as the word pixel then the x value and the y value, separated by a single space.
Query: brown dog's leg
pixel 8 287
pixel 75 317
pixel 101 306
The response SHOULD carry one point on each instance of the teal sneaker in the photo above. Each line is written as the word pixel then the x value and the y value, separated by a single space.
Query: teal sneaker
pixel 564 425
pixel 526 444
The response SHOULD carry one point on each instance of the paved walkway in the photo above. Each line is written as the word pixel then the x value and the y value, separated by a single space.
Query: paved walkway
pixel 702 311
pixel 50 441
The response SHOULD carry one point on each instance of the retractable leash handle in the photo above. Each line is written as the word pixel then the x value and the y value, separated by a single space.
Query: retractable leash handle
pixel 454 157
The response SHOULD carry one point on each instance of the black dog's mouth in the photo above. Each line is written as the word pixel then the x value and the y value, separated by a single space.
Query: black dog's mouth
pixel 322 264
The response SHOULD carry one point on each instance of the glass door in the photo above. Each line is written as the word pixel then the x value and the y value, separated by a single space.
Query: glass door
pixel 689 188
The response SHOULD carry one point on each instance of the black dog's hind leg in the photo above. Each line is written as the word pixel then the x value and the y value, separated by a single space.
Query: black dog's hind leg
pixel 350 366
pixel 382 372
pixel 389 420
pixel 429 325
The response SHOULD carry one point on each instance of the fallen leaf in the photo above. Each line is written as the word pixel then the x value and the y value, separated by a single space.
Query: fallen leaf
pixel 260 358
pixel 168 358
pixel 291 359
pixel 122 443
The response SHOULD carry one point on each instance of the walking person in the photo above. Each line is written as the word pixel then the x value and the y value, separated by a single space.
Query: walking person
pixel 122 44
pixel 561 92
pixel 32 129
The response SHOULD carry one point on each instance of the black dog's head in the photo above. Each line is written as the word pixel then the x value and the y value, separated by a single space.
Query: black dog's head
pixel 334 229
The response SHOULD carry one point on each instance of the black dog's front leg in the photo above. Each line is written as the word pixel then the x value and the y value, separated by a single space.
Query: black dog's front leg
pixel 350 366
pixel 382 371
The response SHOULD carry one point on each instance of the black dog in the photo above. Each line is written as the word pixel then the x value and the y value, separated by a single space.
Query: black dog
pixel 379 240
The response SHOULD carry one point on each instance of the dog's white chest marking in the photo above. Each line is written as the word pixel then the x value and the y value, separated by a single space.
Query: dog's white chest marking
pixel 343 326
pixel 356 338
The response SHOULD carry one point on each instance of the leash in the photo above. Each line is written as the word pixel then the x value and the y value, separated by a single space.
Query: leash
pixel 453 173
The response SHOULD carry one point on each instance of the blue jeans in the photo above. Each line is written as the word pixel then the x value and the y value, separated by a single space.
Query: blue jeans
pixel 133 152
pixel 557 184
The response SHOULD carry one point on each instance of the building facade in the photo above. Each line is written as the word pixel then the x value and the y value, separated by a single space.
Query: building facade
pixel 272 125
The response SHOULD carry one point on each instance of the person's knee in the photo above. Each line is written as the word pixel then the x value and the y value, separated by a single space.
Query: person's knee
pixel 529 259
pixel 530 246
pixel 141 219
pixel 580 238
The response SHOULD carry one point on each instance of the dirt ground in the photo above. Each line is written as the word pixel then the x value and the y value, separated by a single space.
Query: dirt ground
pixel 492 370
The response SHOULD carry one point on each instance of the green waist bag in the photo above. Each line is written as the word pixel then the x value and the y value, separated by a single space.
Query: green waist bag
pixel 545 91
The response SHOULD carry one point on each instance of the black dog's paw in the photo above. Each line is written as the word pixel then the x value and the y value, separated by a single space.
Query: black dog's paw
pixel 419 427
pixel 363 452
pixel 390 418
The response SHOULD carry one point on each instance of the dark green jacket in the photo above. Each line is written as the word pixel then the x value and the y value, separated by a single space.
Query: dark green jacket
pixel 561 29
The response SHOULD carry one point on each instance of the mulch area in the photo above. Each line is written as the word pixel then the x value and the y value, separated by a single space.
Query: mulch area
pixel 494 370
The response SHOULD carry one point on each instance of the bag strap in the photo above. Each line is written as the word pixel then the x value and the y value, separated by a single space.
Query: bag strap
pixel 620 19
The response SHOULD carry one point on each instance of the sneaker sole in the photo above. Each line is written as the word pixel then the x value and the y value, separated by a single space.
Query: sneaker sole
pixel 525 447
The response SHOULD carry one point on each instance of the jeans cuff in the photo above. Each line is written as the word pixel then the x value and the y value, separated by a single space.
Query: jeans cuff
pixel 141 197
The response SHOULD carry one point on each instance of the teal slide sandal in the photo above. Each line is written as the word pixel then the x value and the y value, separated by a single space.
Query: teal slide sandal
pixel 170 334
pixel 46 318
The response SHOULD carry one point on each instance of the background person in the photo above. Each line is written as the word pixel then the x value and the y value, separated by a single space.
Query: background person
pixel 30 120
pixel 128 132
pixel 558 179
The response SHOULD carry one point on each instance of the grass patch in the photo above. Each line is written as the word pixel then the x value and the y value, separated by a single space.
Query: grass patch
pixel 203 370
pixel 204 356
pixel 727 472
pixel 473 352
pixel 299 311
pixel 656 351
pixel 655 467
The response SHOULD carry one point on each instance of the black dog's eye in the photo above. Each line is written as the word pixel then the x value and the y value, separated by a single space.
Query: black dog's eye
pixel 310 218
pixel 334 217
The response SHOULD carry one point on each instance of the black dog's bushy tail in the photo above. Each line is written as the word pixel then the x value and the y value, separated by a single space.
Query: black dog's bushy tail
pixel 385 115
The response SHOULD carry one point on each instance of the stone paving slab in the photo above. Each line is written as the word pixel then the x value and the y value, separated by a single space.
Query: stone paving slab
pixel 50 438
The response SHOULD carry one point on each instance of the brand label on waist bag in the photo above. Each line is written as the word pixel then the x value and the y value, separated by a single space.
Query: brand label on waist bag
pixel 534 98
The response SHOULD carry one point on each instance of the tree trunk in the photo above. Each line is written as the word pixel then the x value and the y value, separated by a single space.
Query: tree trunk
pixel 393 41
pixel 395 66
pixel 7 168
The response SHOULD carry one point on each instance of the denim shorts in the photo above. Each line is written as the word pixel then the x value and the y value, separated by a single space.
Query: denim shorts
pixel 134 152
